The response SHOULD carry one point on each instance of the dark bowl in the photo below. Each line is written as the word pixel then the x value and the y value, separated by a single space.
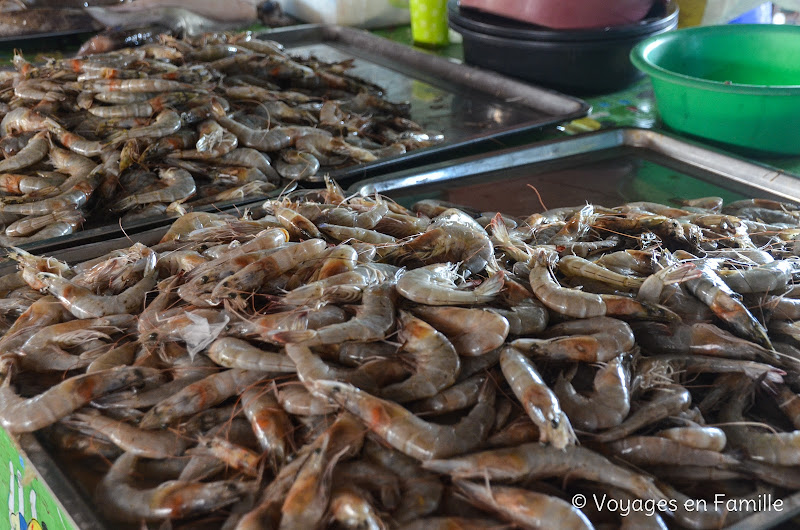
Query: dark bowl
pixel 580 62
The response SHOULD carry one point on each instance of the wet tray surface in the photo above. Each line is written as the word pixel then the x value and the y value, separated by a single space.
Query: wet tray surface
pixel 606 168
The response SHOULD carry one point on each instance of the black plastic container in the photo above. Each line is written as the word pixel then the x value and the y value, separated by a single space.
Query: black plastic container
pixel 579 62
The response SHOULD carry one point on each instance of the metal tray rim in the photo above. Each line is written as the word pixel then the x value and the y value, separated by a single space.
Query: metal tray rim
pixel 725 166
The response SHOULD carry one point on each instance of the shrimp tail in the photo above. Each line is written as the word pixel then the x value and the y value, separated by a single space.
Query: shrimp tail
pixel 492 286
pixel 296 335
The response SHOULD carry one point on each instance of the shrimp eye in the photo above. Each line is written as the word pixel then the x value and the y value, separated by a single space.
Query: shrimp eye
pixel 555 422
pixel 152 336
pixel 204 279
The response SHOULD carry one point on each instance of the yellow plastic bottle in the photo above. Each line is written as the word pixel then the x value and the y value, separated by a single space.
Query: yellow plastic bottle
pixel 691 12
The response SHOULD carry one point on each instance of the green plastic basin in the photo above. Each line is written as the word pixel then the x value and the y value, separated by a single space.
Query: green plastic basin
pixel 735 84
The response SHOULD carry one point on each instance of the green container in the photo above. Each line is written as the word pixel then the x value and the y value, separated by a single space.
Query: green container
pixel 736 84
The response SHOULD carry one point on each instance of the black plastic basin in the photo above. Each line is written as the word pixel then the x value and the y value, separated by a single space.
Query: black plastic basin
pixel 580 62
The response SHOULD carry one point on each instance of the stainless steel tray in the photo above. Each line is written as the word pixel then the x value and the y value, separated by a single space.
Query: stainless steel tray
pixel 607 168
pixel 466 104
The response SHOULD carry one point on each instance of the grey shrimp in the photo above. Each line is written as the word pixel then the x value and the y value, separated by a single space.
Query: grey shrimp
pixel 538 400
pixel 173 499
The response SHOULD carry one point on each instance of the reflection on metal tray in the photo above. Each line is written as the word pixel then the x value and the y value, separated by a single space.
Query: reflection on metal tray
pixel 606 168
pixel 466 104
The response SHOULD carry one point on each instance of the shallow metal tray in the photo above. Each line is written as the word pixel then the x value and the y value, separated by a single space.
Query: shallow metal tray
pixel 606 168
pixel 466 104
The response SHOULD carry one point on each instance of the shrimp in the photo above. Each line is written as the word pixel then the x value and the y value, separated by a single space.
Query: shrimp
pixel 232 455
pixel 82 303
pixel 538 400
pixel 35 150
pixel 72 199
pixel 536 461
pixel 374 320
pixel 577 266
pixel 347 233
pixel 23 120
pixel 143 109
pixel 19 415
pixel 271 425
pixel 421 491
pixel 180 185
pixel 608 404
pixel 148 444
pixel 166 123
pixel 295 399
pixel 697 436
pixel 579 304
pixel 435 285
pixel 254 275
pixel 665 402
pixel 199 396
pixel 526 508
pixel 297 225
pixel 173 499
pixel 270 140
pixel 136 85
pixel 471 331
pixel 236 353
pixel 715 293
pixel 297 165
pixel 700 338
pixel 408 433
pixel 459 396
pixel 435 359
pixel 352 508
pixel 307 499
pixel 214 142
pixel 28 225
pixel 453 236
pixel 597 339
pixel 654 450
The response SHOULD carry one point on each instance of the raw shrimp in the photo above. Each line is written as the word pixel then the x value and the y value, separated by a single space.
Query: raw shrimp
pixel 606 406
pixel 271 425
pixel 665 402
pixel 538 400
pixel 148 444
pixel 166 123
pixel 576 266
pixel 526 508
pixel 180 185
pixel 579 304
pixel 715 293
pixel 173 499
pixel 435 285
pixel 654 450
pixel 471 331
pixel 597 339
pixel 698 436
pixel 408 433
pixel 35 150
pixel 434 358
pixel 82 303
pixel 374 320
pixel 27 415
pixel 352 508
pixel 454 237
pixel 28 225
pixel 236 353
pixel 536 461
pixel 459 396
pixel 266 268
pixel 199 396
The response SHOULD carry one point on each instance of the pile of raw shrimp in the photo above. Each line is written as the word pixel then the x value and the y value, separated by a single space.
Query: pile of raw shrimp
pixel 338 361
pixel 177 125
